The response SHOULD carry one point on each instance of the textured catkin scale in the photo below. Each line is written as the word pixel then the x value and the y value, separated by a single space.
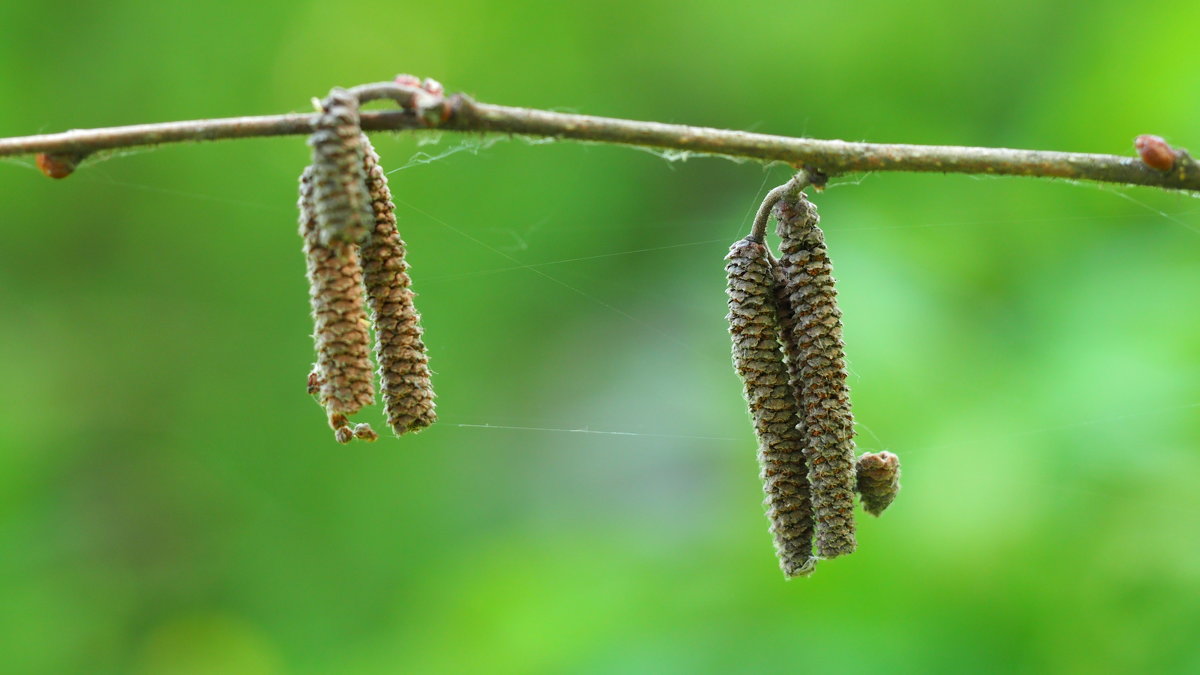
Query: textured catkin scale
pixel 878 480
pixel 343 203
pixel 342 375
pixel 753 325
pixel 816 328
pixel 399 348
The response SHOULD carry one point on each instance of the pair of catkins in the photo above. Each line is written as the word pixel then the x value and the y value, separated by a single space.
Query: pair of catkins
pixel 352 247
pixel 788 350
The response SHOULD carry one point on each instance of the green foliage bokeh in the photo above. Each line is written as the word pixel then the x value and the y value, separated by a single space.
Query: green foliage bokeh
pixel 171 500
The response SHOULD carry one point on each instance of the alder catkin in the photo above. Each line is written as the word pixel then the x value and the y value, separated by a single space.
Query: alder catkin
pixel 753 325
pixel 403 361
pixel 341 377
pixel 343 203
pixel 827 423
pixel 878 480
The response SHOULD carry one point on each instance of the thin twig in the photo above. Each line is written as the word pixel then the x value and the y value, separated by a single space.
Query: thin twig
pixel 789 189
pixel 828 157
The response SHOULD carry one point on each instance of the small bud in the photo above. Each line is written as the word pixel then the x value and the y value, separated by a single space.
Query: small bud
pixel 406 80
pixel 878 480
pixel 57 166
pixel 364 432
pixel 433 86
pixel 343 435
pixel 1155 152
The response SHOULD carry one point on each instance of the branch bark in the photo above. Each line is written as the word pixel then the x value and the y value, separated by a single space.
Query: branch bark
pixel 821 158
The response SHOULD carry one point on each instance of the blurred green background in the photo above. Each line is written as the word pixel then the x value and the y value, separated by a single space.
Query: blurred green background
pixel 171 500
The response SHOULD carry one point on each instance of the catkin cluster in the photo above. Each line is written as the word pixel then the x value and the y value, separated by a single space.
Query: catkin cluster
pixel 788 350
pixel 352 247
pixel 754 326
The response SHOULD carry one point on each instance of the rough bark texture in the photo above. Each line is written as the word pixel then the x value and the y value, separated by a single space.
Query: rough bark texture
pixel 753 325
pixel 343 204
pixel 342 375
pixel 403 360
pixel 825 401
pixel 878 480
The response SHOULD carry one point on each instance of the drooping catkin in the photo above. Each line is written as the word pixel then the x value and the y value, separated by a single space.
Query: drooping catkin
pixel 878 480
pixel 343 203
pixel 341 377
pixel 403 360
pixel 825 400
pixel 753 325
pixel 791 358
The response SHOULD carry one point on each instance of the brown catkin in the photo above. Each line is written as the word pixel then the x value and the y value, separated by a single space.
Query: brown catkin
pixel 403 361
pixel 791 358
pixel 824 399
pixel 342 374
pixel 878 480
pixel 753 325
pixel 343 203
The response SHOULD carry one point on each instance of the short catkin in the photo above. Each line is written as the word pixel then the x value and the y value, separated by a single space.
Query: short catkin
pixel 342 376
pixel 878 480
pixel 753 325
pixel 343 203
pixel 403 361
pixel 828 424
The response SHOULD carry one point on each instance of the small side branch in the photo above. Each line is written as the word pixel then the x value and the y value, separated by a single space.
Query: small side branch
pixel 821 157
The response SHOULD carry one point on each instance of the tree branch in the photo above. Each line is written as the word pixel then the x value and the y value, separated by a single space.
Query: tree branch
pixel 821 158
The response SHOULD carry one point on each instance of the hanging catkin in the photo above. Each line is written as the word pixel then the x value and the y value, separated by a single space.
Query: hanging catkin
pixel 797 467
pixel 343 204
pixel 825 402
pixel 342 375
pixel 753 325
pixel 878 480
pixel 403 362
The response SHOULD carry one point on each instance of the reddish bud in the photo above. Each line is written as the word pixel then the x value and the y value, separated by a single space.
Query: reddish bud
pixel 1155 152
pixel 343 435
pixel 406 80
pixel 433 86
pixel 57 166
